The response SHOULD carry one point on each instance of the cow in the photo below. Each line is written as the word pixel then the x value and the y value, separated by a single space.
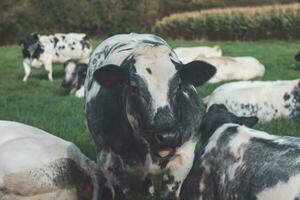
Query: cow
pixel 240 163
pixel 37 165
pixel 49 49
pixel 189 54
pixel 234 68
pixel 75 74
pixel 297 56
pixel 268 100
pixel 143 111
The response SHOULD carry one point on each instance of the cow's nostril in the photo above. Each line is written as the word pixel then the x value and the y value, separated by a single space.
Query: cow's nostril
pixel 166 139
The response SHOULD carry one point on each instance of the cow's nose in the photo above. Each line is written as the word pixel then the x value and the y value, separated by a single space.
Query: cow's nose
pixel 166 139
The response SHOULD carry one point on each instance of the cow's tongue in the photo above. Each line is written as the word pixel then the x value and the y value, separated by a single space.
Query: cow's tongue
pixel 164 152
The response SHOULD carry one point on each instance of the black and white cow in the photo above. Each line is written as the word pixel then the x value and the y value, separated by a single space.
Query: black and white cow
pixel 297 56
pixel 240 163
pixel 267 100
pixel 58 48
pixel 143 110
pixel 36 165
pixel 75 74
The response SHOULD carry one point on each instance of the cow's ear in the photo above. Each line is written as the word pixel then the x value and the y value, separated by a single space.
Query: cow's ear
pixel 197 72
pixel 109 76
pixel 248 121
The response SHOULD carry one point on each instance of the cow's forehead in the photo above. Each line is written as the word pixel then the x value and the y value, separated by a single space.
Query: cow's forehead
pixel 154 65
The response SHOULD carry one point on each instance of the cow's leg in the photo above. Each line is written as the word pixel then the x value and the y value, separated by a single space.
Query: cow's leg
pixel 48 67
pixel 117 180
pixel 27 69
pixel 177 170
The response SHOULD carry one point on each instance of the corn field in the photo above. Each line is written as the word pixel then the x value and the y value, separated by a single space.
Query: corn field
pixel 247 23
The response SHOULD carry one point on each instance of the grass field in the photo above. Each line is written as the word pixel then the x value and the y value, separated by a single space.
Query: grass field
pixel 47 106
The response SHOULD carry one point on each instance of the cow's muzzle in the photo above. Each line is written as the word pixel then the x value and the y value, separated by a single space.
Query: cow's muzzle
pixel 166 142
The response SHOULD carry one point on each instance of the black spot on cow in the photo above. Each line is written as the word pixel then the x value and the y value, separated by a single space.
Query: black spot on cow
pixel 149 70
pixel 55 41
pixel 154 43
pixel 57 54
pixel 39 50
pixel 61 47
pixel 73 43
pixel 26 53
pixel 72 48
pixel 286 96
pixel 63 37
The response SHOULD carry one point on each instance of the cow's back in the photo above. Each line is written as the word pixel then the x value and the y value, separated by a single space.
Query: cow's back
pixel 265 99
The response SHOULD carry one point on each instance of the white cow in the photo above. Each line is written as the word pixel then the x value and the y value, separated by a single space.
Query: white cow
pixel 35 165
pixel 188 54
pixel 267 100
pixel 234 68
pixel 59 48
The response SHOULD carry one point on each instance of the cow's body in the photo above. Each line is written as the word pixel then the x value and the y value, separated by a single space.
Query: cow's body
pixel 239 163
pixel 75 74
pixel 133 115
pixel 267 100
pixel 57 48
pixel 234 68
pixel 188 54
pixel 36 165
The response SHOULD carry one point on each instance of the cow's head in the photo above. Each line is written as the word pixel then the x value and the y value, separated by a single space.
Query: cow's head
pixel 159 96
pixel 74 75
pixel 30 40
pixel 216 116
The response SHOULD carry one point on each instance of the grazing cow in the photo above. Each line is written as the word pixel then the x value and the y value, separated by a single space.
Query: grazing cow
pixel 239 163
pixel 234 68
pixel 297 56
pixel 267 100
pixel 75 75
pixel 59 48
pixel 189 54
pixel 143 111
pixel 36 165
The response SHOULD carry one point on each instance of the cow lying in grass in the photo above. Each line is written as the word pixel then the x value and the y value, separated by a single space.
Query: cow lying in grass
pixel 37 165
pixel 59 48
pixel 242 163
pixel 143 111
pixel 267 100
pixel 189 54
pixel 75 75
pixel 234 68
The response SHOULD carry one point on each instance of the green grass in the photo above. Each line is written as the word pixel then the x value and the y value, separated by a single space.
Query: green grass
pixel 47 106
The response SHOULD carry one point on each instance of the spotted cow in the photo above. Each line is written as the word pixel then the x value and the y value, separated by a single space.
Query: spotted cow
pixel 267 100
pixel 143 111
pixel 36 165
pixel 240 163
pixel 58 48
pixel 75 74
